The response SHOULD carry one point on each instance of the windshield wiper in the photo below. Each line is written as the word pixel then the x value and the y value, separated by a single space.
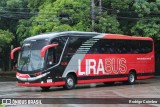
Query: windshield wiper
pixel 26 61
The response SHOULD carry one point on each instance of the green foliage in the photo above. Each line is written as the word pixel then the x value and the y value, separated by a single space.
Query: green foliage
pixel 5 38
pixel 142 8
pixel 117 4
pixel 34 4
pixel 148 23
pixel 108 24
pixel 11 12
pixel 62 15
pixel 23 29
pixel 147 28
pixel 121 4
pixel 13 3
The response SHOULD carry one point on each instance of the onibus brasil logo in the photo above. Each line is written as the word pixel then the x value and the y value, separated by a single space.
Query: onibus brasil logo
pixel 19 101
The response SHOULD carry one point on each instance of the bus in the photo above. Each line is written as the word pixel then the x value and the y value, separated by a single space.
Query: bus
pixel 70 58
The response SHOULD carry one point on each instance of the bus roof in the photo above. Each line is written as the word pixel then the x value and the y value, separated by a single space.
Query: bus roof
pixel 91 34
pixel 120 36
pixel 57 34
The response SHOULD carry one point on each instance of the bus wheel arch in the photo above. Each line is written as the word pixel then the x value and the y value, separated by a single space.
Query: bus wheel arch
pixel 131 77
pixel 70 81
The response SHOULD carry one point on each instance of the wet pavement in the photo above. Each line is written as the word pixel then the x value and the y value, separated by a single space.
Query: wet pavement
pixel 142 89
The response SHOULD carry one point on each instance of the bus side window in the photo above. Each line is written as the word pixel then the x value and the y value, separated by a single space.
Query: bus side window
pixel 51 58
pixel 55 53
pixel 74 45
pixel 103 46
pixel 146 46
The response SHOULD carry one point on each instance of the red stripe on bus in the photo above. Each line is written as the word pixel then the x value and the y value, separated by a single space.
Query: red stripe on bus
pixel 27 84
pixel 22 75
pixel 101 80
pixel 119 36
pixel 144 77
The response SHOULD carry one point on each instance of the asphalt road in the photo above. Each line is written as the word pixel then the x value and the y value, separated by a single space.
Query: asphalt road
pixel 142 89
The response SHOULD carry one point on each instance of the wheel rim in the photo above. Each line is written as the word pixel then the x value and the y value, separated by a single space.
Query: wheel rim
pixel 131 78
pixel 70 82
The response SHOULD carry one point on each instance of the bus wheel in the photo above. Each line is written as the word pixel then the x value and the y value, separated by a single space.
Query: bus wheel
pixel 131 78
pixel 45 88
pixel 70 82
pixel 109 83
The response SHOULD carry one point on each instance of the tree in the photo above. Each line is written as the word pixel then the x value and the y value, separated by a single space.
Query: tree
pixel 11 11
pixel 62 15
pixel 107 23
pixel 6 38
pixel 147 28
pixel 148 23
pixel 121 11
pixel 23 29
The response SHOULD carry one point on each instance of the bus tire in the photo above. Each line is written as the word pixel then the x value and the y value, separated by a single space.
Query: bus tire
pixel 69 82
pixel 45 88
pixel 131 78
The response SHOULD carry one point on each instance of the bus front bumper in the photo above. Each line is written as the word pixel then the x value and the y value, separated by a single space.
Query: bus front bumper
pixel 49 84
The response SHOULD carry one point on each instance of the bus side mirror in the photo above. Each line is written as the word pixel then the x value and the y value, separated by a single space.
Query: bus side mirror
pixel 45 48
pixel 13 51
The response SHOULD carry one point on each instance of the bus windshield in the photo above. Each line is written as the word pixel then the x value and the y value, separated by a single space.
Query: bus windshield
pixel 29 57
